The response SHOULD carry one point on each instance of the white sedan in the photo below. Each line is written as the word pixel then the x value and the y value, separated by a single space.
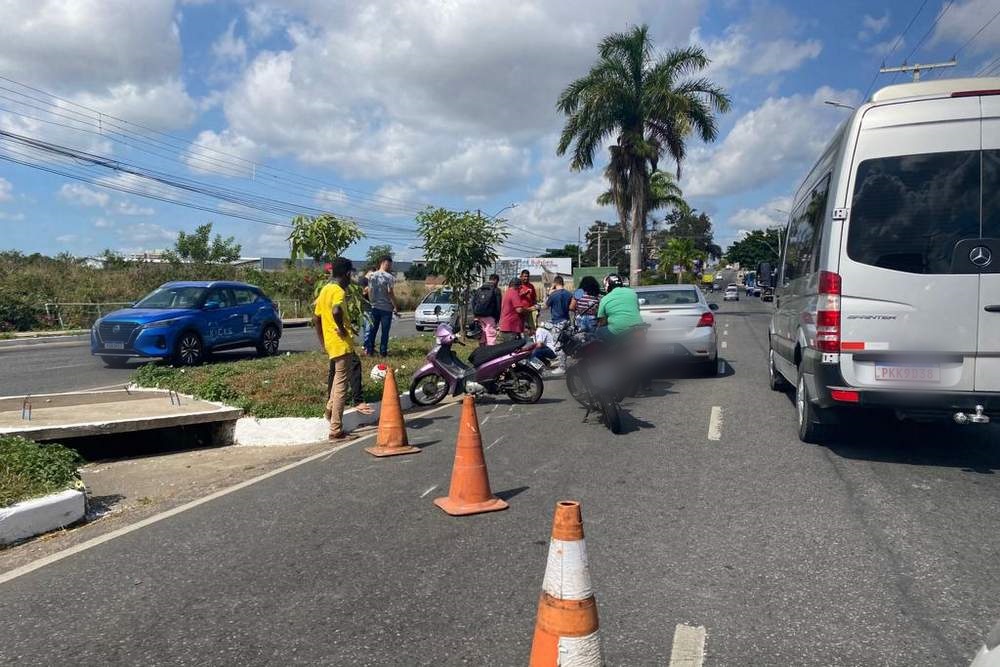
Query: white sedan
pixel 681 325
pixel 732 293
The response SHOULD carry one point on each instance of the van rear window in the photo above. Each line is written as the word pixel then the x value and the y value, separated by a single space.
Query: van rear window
pixel 909 211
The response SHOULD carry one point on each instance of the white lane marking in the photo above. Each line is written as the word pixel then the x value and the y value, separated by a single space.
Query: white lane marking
pixel 156 518
pixel 120 385
pixel 56 368
pixel 496 442
pixel 424 494
pixel 688 649
pixel 715 424
pixel 487 417
pixel 724 345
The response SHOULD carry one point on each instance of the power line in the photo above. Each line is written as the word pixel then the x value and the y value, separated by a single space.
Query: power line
pixel 925 36
pixel 895 46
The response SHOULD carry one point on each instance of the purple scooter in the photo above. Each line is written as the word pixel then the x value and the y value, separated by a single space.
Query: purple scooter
pixel 496 369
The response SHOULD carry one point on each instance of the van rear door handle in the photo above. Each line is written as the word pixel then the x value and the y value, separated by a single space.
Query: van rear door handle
pixel 993 308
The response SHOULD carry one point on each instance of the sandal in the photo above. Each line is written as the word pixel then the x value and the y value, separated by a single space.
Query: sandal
pixel 341 437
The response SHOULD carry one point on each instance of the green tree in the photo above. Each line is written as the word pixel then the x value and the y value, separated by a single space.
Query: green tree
pixel 690 224
pixel 679 252
pixel 377 252
pixel 201 248
pixel 612 246
pixel 322 237
pixel 112 260
pixel 650 105
pixel 756 247
pixel 417 272
pixel 460 245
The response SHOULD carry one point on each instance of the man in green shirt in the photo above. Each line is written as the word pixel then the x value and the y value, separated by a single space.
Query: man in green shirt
pixel 619 308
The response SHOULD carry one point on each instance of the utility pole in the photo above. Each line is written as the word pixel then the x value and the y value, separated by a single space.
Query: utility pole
pixel 600 227
pixel 917 68
pixel 579 246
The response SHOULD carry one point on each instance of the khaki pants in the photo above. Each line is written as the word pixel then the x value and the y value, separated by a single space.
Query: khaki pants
pixel 338 392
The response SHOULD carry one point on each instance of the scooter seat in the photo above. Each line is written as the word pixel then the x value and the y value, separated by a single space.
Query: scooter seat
pixel 486 353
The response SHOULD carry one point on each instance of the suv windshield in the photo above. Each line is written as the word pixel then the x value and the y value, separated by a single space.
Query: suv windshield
pixel 172 297
pixel 674 297
pixel 910 211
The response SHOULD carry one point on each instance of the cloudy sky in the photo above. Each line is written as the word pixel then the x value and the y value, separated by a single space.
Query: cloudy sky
pixel 378 109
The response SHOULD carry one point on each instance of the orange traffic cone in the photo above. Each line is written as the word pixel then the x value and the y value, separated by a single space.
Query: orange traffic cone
pixel 391 439
pixel 469 492
pixel 566 632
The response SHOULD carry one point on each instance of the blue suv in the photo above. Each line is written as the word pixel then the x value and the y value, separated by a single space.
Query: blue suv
pixel 185 321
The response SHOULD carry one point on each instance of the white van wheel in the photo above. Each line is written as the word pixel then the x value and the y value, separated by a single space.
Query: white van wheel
pixel 810 429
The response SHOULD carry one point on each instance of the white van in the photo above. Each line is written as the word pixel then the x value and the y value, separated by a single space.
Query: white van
pixel 888 294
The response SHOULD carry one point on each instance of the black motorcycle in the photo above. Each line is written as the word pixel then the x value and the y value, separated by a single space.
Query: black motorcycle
pixel 592 378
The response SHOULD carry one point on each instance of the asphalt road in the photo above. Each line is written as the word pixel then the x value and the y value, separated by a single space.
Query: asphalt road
pixel 878 550
pixel 50 365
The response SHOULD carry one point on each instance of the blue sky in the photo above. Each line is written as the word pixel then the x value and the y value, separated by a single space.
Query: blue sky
pixel 377 109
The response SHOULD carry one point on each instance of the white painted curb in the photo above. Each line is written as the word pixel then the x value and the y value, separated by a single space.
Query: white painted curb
pixel 286 431
pixel 40 515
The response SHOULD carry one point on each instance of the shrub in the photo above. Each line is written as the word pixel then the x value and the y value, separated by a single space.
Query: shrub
pixel 29 469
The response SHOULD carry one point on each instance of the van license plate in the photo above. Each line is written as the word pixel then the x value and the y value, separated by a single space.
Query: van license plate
pixel 907 373
pixel 114 346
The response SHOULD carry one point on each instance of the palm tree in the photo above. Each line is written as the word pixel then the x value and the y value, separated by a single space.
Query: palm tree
pixel 662 192
pixel 651 107
pixel 678 252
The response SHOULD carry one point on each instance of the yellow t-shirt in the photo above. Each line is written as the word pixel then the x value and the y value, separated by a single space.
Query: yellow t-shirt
pixel 332 295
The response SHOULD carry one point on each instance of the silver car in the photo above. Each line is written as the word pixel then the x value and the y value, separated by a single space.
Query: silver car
pixel 681 324
pixel 435 308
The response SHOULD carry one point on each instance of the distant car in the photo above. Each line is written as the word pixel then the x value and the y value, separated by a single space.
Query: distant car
pixel 732 293
pixel 436 308
pixel 186 321
pixel 681 325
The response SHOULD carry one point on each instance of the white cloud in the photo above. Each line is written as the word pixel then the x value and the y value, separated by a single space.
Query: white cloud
pixel 107 54
pixel 6 190
pixel 13 217
pixel 331 197
pixel 963 20
pixel 883 48
pixel 66 238
pixel 739 52
pixel 871 26
pixel 774 213
pixel 223 153
pixel 103 223
pixel 229 47
pixel 263 20
pixel 81 195
pixel 131 209
pixel 147 235
pixel 409 91
pixel 780 138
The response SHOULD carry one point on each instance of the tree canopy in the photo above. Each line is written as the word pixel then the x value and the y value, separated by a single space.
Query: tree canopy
pixel 322 237
pixel 756 247
pixel 201 248
pixel 376 253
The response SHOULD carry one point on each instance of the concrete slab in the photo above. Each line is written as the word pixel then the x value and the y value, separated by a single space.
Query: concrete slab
pixel 40 515
pixel 88 414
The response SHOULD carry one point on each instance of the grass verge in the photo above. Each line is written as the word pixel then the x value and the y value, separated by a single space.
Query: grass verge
pixel 30 470
pixel 292 385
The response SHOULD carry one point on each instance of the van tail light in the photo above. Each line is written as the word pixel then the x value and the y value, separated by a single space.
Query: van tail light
pixel 845 396
pixel 707 320
pixel 828 312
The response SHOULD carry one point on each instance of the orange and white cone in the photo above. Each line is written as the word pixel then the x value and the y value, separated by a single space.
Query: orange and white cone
pixel 391 439
pixel 566 631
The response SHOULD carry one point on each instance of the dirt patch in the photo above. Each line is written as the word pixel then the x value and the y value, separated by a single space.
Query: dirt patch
pixel 125 491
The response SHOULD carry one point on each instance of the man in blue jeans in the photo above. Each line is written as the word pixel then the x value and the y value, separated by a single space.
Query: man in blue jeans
pixel 380 294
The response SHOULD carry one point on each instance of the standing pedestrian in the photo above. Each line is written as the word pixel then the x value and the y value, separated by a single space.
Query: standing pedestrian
pixel 530 299
pixel 333 328
pixel 585 302
pixel 486 308
pixel 512 313
pixel 366 309
pixel 383 300
pixel 558 302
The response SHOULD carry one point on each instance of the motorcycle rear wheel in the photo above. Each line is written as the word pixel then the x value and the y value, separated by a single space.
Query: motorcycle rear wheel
pixel 527 385
pixel 611 414
pixel 428 390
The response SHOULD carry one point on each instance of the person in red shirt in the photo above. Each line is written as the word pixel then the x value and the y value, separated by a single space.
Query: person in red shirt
pixel 512 312
pixel 530 298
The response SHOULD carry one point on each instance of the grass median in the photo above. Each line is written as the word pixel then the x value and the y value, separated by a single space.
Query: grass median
pixel 30 470
pixel 290 385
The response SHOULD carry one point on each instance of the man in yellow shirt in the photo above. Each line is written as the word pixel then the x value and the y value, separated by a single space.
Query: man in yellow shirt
pixel 334 331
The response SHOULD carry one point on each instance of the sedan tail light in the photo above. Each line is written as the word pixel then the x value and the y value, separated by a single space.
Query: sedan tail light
pixel 707 320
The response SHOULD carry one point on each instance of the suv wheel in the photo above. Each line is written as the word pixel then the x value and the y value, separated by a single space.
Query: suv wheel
pixel 775 380
pixel 810 428
pixel 269 340
pixel 189 350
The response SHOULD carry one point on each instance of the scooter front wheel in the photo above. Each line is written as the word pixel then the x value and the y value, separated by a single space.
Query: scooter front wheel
pixel 527 385
pixel 428 389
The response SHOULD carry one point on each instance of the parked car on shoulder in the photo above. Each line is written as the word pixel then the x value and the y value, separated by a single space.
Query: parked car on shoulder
pixel 436 308
pixel 186 321
pixel 681 325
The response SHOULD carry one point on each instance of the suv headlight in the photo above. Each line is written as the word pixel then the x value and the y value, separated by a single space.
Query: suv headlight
pixel 162 324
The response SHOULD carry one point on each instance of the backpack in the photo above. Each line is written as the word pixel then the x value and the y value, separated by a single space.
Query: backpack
pixel 482 301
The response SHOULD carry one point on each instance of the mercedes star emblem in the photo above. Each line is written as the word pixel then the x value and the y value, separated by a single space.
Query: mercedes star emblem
pixel 981 256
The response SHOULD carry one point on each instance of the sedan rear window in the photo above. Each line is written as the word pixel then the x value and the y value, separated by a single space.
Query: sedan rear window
pixel 909 211
pixel 674 297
